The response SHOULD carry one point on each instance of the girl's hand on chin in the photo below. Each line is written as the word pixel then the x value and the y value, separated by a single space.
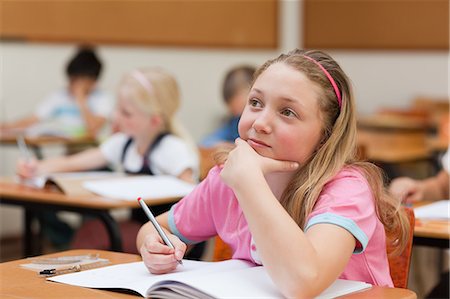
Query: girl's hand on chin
pixel 244 164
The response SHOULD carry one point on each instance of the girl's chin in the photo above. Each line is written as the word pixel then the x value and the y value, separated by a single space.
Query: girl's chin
pixel 127 132
pixel 265 152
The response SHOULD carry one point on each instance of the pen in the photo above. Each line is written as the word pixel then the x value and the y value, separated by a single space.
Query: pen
pixel 23 148
pixel 156 225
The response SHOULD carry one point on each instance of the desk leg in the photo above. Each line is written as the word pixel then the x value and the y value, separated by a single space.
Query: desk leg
pixel 113 231
pixel 432 242
pixel 28 249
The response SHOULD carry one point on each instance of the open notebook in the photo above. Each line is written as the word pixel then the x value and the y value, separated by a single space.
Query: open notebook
pixel 70 183
pixel 439 210
pixel 115 185
pixel 194 279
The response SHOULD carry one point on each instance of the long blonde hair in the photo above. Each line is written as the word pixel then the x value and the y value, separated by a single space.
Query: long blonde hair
pixel 155 91
pixel 337 147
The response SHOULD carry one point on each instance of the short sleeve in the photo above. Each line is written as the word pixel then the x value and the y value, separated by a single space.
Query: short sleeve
pixel 191 219
pixel 45 109
pixel 102 104
pixel 172 156
pixel 347 201
pixel 112 148
pixel 446 162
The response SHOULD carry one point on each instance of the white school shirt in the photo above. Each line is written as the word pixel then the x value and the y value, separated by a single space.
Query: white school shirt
pixel 170 157
pixel 446 162
pixel 60 109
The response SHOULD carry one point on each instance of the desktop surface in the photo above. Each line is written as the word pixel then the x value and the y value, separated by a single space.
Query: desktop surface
pixel 22 283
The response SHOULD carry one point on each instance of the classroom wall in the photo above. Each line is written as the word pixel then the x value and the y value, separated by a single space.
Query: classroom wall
pixel 29 71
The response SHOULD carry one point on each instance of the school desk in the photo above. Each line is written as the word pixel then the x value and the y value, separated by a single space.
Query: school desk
pixel 434 233
pixel 37 143
pixel 393 145
pixel 393 139
pixel 33 200
pixel 22 283
pixel 437 144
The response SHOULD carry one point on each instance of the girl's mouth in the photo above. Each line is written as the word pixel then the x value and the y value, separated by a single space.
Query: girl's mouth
pixel 257 143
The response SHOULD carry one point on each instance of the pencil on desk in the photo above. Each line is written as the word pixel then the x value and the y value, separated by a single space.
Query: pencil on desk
pixel 73 268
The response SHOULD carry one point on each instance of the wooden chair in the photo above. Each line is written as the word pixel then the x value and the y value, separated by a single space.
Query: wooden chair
pixel 206 160
pixel 208 156
pixel 221 250
pixel 398 265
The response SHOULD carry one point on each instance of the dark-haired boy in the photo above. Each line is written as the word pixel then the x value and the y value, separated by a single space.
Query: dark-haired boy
pixel 80 109
pixel 234 91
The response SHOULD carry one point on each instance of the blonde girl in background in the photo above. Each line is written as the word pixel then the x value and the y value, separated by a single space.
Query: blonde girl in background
pixel 149 139
pixel 291 196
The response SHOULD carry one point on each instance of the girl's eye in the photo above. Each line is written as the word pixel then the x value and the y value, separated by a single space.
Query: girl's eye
pixel 288 112
pixel 125 113
pixel 254 102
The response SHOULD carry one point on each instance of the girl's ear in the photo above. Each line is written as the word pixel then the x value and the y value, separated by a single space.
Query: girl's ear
pixel 156 121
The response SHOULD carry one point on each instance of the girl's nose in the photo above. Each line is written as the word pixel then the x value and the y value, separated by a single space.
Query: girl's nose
pixel 262 123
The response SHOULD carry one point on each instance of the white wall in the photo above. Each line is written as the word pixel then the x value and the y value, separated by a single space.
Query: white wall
pixel 382 78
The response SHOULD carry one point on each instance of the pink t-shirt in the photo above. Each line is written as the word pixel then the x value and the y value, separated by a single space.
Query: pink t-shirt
pixel 346 200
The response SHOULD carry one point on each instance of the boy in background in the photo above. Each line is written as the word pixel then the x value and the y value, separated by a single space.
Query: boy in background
pixel 235 89
pixel 80 109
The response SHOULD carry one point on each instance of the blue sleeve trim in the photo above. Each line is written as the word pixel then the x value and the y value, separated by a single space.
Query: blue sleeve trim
pixel 345 223
pixel 174 229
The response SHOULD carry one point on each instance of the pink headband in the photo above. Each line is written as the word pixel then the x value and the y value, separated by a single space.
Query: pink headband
pixel 333 83
pixel 142 80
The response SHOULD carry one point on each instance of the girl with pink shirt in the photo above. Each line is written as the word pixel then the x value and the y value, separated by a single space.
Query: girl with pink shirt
pixel 291 195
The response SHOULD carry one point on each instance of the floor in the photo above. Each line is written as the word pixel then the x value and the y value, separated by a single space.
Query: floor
pixel 11 248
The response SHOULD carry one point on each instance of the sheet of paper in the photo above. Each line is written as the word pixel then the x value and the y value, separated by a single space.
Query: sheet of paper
pixel 130 188
pixel 241 283
pixel 255 282
pixel 242 280
pixel 135 276
pixel 438 210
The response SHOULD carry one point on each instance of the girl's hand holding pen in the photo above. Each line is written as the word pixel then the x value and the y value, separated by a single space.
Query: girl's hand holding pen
pixel 160 258
pixel 27 168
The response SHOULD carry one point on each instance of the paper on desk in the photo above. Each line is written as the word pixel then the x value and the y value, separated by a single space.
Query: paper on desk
pixel 69 182
pixel 226 279
pixel 438 210
pixel 130 188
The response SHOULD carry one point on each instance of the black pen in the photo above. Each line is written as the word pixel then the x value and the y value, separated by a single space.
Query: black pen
pixel 156 225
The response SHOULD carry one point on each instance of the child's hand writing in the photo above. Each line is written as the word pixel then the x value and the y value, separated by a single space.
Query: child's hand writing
pixel 158 257
pixel 27 169
pixel 407 190
pixel 244 163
